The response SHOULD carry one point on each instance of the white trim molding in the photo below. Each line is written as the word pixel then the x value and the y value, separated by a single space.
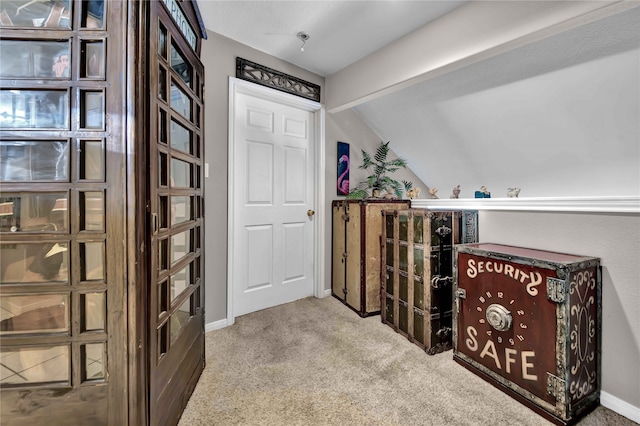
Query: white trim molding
pixel 619 406
pixel 629 205
pixel 216 325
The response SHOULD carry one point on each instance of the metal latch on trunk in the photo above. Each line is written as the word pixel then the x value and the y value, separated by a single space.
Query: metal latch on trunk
pixel 345 208
pixel 556 289
pixel 461 293
pixel 438 282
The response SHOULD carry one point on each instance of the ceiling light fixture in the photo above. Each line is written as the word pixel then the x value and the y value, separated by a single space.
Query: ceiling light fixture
pixel 303 37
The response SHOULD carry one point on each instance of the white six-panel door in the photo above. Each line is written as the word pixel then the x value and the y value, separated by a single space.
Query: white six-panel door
pixel 273 203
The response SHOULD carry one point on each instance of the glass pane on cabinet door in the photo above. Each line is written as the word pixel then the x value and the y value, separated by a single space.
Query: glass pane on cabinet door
pixel 93 309
pixel 180 281
pixel 179 318
pixel 42 313
pixel 93 14
pixel 93 362
pixel 180 245
pixel 92 160
pixel 34 109
pixel 34 160
pixel 91 211
pixel 180 65
pixel 162 83
pixel 35 14
pixel 180 210
pixel 33 212
pixel 162 41
pixel 163 212
pixel 92 59
pixel 29 366
pixel 92 261
pixel 180 102
pixel 163 298
pixel 34 262
pixel 180 174
pixel 91 109
pixel 34 59
pixel 181 138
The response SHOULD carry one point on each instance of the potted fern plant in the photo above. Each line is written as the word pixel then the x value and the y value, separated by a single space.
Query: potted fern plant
pixel 379 184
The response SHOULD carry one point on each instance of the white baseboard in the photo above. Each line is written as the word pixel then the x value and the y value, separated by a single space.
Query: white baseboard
pixel 619 406
pixel 327 293
pixel 216 325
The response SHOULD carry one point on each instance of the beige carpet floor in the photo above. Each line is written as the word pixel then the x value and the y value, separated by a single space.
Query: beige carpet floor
pixel 316 362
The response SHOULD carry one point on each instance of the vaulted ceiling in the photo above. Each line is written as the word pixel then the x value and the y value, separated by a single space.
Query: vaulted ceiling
pixel 556 117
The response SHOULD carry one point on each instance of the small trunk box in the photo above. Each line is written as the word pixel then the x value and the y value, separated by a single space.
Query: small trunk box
pixel 417 275
pixel 529 322
pixel 355 268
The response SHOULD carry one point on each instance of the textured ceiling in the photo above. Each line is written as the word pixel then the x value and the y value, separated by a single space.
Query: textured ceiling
pixel 341 32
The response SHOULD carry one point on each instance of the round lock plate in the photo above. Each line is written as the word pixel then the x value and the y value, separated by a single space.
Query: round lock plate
pixel 498 317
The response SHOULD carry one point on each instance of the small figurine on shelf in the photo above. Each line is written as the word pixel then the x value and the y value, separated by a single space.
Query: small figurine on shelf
pixel 513 192
pixel 413 193
pixel 483 193
pixel 432 192
pixel 456 192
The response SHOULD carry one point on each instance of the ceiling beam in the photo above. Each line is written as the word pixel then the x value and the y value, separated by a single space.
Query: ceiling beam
pixel 469 34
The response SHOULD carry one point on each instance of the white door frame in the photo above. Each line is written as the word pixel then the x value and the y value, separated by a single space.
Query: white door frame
pixel 237 86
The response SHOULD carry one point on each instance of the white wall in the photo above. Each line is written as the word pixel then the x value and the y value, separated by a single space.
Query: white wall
pixel 572 131
pixel 615 239
pixel 347 126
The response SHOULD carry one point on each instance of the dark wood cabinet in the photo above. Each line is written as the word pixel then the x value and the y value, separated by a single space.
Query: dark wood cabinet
pixel 101 284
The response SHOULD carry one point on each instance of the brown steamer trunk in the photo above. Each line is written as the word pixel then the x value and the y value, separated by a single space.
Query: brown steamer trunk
pixel 529 322
pixel 417 275
pixel 355 271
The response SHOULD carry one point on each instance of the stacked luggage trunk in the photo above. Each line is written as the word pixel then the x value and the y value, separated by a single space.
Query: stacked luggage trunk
pixel 416 291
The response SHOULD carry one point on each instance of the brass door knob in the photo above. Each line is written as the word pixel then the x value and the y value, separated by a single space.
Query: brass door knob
pixel 310 213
